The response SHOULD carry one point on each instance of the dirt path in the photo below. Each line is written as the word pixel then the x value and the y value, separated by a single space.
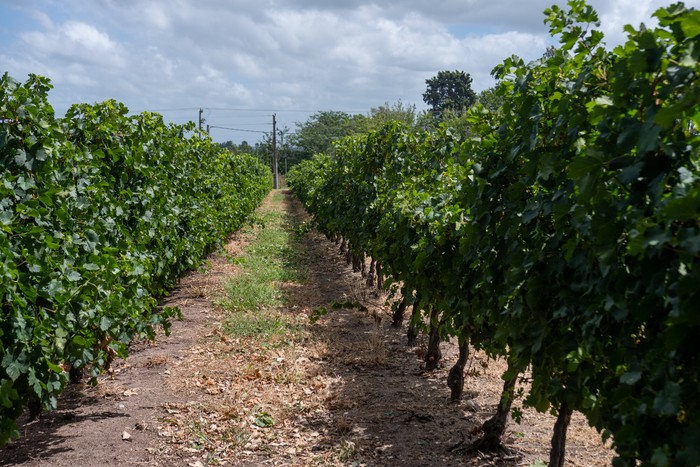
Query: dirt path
pixel 343 391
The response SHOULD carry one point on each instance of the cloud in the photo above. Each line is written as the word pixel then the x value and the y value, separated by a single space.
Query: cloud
pixel 75 41
pixel 43 19
pixel 614 16
pixel 267 54
pixel 157 16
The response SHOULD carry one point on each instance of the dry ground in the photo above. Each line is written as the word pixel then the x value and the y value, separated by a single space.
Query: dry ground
pixel 343 391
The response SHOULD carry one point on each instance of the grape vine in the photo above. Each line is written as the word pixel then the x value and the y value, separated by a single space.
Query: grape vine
pixel 100 213
pixel 562 233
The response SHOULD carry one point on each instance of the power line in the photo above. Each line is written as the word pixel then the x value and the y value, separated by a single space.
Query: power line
pixel 235 109
pixel 238 129
pixel 241 124
pixel 175 109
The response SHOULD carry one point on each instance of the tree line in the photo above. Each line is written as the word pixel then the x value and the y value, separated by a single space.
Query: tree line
pixel 449 94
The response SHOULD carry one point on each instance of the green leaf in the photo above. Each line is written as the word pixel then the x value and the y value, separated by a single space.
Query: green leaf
pixel 54 287
pixel 20 157
pixel 631 173
pixel 690 23
pixel 668 401
pixel 61 338
pixel 73 276
pixel 649 138
pixel 631 377
pixel 666 117
pixel 631 132
pixel 582 166
pixel 6 217
pixel 106 323
pixel 13 368
pixel 264 420
pixel 35 383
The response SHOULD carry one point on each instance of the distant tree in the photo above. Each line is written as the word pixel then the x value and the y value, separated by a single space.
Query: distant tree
pixel 322 129
pixel 398 111
pixel 458 121
pixel 449 90
pixel 357 124
pixel 425 120
pixel 318 133
pixel 263 149
pixel 490 99
pixel 245 148
pixel 284 151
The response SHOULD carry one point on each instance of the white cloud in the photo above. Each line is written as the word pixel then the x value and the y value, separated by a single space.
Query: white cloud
pixel 614 16
pixel 157 16
pixel 76 41
pixel 43 19
pixel 267 54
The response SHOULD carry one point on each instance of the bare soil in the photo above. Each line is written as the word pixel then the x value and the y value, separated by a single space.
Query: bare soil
pixel 344 391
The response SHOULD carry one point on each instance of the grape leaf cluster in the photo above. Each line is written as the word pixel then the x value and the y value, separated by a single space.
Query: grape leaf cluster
pixel 100 213
pixel 562 233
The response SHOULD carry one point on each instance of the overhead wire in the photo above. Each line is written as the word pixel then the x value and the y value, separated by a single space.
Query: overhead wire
pixel 237 129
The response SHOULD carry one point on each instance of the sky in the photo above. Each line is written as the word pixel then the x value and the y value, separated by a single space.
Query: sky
pixel 243 60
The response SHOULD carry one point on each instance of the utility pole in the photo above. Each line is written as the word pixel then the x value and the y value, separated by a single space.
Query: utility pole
pixel 200 118
pixel 274 151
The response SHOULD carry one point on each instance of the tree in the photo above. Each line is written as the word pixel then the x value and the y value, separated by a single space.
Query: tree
pixel 243 148
pixel 283 148
pixel 490 99
pixel 398 111
pixel 449 90
pixel 318 133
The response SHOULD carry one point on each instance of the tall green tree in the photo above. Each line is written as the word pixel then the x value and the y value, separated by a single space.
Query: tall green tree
pixel 243 148
pixel 398 112
pixel 490 99
pixel 317 134
pixel 449 90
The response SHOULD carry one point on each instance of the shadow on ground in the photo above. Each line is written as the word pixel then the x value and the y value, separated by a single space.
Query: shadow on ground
pixel 383 409
pixel 43 438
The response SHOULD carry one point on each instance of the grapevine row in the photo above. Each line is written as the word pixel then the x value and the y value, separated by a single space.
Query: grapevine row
pixel 100 213
pixel 562 233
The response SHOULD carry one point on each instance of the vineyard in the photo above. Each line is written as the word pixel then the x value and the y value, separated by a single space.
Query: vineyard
pixel 557 240
pixel 100 214
pixel 561 234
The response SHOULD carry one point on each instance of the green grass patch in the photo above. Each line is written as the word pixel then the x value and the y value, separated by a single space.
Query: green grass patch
pixel 267 324
pixel 253 297
pixel 250 292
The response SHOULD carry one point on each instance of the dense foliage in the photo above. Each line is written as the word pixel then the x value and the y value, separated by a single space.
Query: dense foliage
pixel 100 213
pixel 563 233
pixel 318 133
pixel 323 129
pixel 449 90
